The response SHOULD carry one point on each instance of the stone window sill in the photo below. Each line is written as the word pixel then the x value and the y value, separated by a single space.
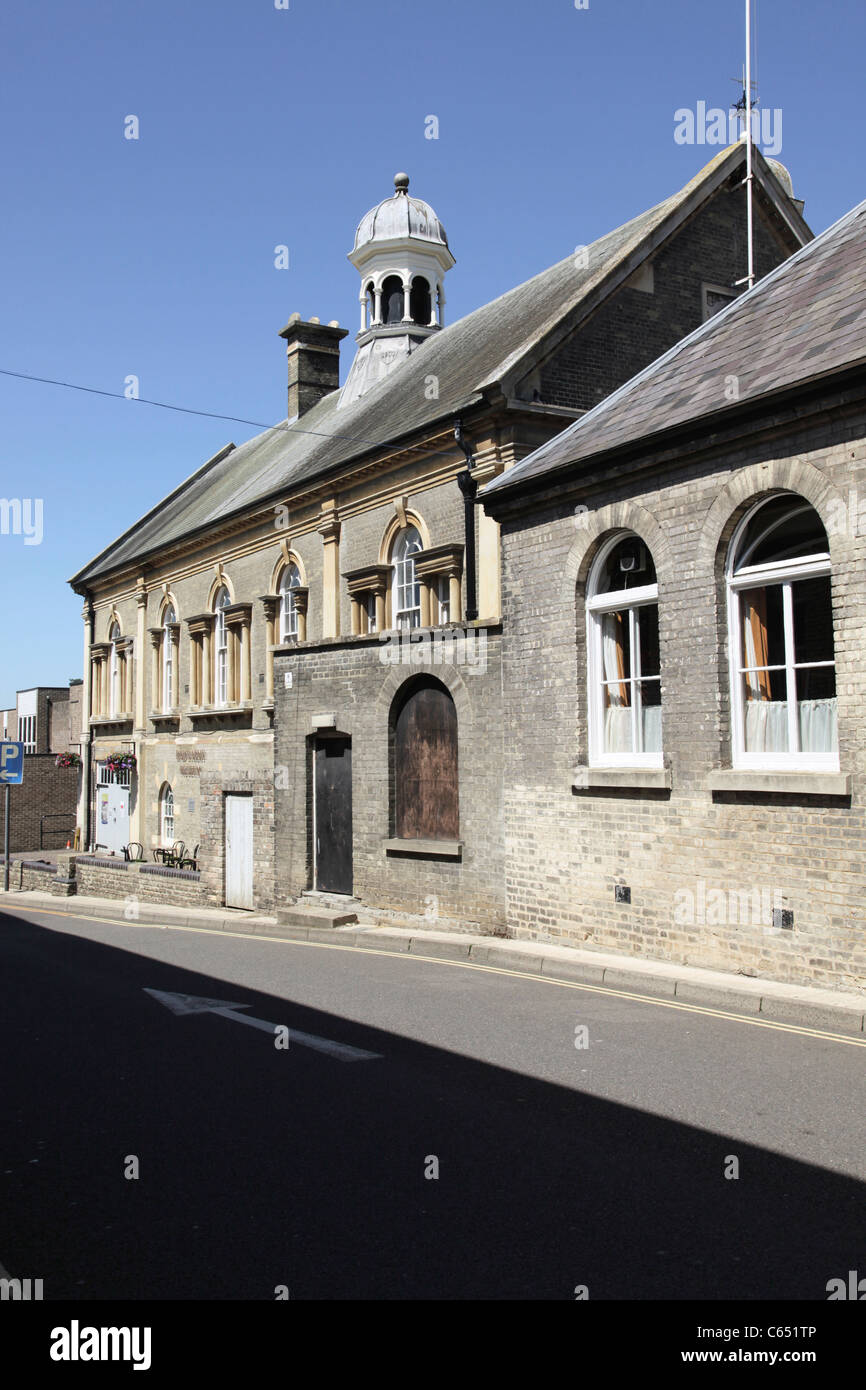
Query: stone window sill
pixel 111 718
pixel 219 711
pixel 634 778
pixel 425 849
pixel 794 783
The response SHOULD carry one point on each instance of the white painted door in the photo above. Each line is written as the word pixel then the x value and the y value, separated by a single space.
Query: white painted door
pixel 239 851
pixel 112 817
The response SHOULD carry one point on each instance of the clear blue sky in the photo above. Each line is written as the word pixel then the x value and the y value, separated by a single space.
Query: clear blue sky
pixel 260 127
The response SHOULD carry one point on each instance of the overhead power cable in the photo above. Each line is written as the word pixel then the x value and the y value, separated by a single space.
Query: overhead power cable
pixel 212 414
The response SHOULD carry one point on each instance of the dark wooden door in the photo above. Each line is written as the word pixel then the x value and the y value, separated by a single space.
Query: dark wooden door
pixel 425 753
pixel 334 815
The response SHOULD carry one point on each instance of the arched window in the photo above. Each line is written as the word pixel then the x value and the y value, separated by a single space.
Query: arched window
pixel 114 672
pixel 780 614
pixel 288 607
pixel 625 725
pixel 425 764
pixel 406 591
pixel 419 300
pixel 370 304
pixel 221 650
pixel 392 299
pixel 166 815
pixel 168 619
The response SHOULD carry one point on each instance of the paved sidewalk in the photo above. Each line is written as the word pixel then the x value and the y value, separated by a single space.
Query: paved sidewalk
pixel 835 1011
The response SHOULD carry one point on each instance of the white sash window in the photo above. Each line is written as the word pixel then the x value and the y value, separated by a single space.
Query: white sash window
pixel 780 616
pixel 624 687
pixel 406 600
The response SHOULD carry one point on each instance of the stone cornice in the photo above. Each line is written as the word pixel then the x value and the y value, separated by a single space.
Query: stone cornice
pixel 201 622
pixel 236 614
pixel 440 559
pixel 369 579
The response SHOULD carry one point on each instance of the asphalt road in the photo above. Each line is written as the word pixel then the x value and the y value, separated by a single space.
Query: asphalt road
pixel 261 1167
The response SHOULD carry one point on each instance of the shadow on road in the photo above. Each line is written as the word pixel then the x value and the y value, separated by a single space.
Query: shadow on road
pixel 261 1167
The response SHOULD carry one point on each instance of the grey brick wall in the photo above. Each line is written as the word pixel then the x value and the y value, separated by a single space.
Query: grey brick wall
pixel 633 327
pixel 127 882
pixel 348 679
pixel 47 791
pixel 567 849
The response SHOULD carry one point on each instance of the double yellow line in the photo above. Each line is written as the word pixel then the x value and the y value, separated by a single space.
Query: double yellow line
pixel 702 1009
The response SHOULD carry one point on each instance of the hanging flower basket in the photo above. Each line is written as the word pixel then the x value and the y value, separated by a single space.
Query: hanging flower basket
pixel 120 762
pixel 67 760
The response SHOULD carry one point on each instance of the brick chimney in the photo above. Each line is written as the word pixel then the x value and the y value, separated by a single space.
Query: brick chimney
pixel 313 350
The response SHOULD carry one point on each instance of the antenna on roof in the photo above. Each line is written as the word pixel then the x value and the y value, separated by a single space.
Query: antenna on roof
pixel 743 107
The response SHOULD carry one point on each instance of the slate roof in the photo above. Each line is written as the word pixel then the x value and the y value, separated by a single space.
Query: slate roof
pixel 806 319
pixel 494 345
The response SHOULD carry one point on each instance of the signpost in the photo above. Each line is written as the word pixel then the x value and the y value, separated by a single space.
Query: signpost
pixel 11 774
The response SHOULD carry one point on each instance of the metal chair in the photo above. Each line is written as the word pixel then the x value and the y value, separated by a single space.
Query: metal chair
pixel 133 853
pixel 190 861
pixel 176 852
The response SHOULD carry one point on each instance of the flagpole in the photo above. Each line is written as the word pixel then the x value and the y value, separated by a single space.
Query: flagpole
pixel 751 265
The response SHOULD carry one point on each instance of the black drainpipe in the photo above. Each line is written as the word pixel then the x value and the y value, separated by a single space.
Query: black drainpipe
pixel 469 487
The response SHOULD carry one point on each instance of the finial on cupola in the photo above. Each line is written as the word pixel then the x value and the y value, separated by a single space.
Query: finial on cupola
pixel 401 183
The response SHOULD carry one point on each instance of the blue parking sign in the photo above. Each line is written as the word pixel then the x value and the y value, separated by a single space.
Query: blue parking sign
pixel 11 763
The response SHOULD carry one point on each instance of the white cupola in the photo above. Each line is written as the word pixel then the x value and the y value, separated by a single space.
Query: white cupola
pixel 401 253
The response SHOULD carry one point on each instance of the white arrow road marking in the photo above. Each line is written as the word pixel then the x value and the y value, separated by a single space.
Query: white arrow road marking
pixel 195 1004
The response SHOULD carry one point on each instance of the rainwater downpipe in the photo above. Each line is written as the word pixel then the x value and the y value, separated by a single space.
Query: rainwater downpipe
pixel 469 487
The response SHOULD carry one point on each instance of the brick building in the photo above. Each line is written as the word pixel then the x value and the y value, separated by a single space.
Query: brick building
pixel 684 668
pixel 47 720
pixel 299 648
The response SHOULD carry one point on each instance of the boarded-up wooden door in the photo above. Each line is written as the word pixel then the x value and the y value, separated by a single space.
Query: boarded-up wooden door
pixel 425 766
pixel 239 851
pixel 333 792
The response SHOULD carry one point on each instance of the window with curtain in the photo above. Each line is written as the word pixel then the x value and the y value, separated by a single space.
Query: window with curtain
pixel 288 607
pixel 783 677
pixel 169 617
pixel 166 818
pixel 221 649
pixel 406 594
pixel 625 715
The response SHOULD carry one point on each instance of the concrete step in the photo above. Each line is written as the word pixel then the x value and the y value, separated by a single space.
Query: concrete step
pixel 310 915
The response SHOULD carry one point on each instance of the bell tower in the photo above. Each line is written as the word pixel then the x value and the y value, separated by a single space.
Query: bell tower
pixel 401 254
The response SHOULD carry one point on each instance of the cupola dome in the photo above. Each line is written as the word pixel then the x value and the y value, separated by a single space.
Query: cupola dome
pixel 400 217
pixel 401 253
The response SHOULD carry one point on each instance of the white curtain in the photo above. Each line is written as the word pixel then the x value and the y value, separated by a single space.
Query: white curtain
pixel 766 726
pixel 617 716
pixel 818 726
pixel 652 728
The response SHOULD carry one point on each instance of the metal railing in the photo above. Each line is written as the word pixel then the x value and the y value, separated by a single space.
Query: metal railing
pixel 69 828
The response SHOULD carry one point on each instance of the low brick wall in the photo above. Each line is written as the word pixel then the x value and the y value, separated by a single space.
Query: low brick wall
pixel 150 883
pixel 29 875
